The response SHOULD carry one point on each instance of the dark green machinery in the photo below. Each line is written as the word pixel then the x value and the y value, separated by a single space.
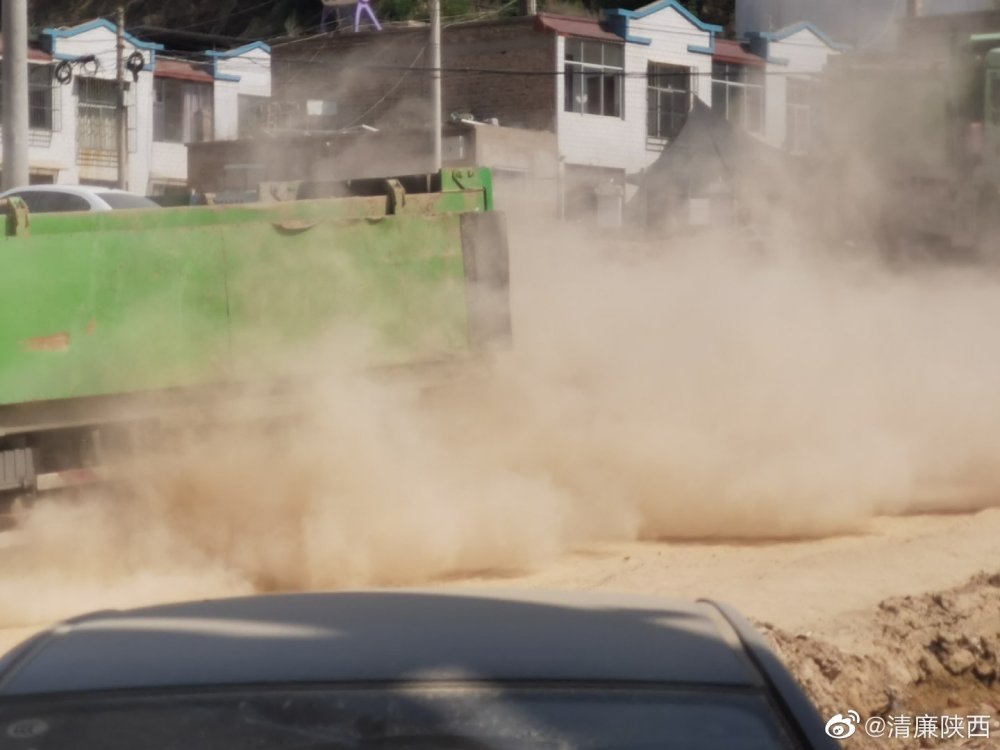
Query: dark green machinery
pixel 102 312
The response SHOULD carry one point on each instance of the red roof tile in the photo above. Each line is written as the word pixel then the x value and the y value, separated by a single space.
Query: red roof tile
pixel 35 55
pixel 727 50
pixel 182 70
pixel 574 26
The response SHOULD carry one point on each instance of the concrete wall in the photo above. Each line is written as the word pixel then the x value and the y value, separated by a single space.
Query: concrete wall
pixel 525 169
pixel 168 163
pixel 345 156
pixel 338 69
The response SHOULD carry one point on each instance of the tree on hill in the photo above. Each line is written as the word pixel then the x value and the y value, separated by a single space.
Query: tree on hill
pixel 257 19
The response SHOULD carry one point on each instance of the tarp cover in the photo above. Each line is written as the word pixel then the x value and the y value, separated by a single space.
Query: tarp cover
pixel 708 150
pixel 710 157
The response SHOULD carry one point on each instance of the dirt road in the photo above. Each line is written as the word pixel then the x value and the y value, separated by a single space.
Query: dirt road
pixel 819 601
pixel 902 620
pixel 694 396
pixel 823 586
pixel 826 587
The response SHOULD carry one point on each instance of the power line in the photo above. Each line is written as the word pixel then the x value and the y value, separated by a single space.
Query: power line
pixel 402 25
pixel 386 95
pixel 572 68
pixel 578 69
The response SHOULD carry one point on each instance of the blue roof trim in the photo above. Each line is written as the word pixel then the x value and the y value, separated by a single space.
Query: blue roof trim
pixel 241 50
pixel 709 50
pixel 617 19
pixel 664 5
pixel 100 23
pixel 228 54
pixel 223 76
pixel 795 28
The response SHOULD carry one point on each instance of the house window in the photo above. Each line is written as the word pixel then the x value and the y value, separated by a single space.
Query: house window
pixel 594 77
pixel 668 92
pixel 96 121
pixel 738 94
pixel 798 114
pixel 40 99
pixel 182 111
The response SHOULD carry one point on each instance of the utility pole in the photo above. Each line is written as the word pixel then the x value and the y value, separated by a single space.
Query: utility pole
pixel 121 111
pixel 435 81
pixel 15 93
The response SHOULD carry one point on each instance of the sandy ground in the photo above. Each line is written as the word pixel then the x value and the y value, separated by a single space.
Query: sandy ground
pixel 821 601
pixel 899 621
pixel 826 428
pixel 823 587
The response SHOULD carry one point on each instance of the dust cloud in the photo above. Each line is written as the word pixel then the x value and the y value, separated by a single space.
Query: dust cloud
pixel 710 389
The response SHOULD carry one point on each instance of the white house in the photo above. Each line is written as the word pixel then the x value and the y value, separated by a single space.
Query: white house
pixel 794 56
pixel 170 102
pixel 629 80
pixel 628 83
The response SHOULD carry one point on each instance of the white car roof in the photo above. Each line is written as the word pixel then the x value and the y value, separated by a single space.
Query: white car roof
pixel 84 191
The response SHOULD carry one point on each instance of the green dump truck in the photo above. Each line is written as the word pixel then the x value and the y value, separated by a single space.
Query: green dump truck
pixel 105 317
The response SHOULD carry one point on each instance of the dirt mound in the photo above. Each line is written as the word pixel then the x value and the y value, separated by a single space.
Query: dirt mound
pixel 934 655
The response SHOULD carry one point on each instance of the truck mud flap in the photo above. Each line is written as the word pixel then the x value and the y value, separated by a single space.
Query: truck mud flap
pixel 487 276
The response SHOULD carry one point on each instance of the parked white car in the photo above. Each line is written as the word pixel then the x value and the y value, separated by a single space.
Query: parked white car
pixel 51 198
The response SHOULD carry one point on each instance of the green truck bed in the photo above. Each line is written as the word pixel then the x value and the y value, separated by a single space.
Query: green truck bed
pixel 107 304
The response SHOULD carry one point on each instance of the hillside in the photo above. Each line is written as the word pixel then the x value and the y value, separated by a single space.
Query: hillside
pixel 253 19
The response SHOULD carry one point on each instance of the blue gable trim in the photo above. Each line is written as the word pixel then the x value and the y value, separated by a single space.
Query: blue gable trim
pixel 223 76
pixel 215 56
pixel 617 19
pixel 649 10
pixel 777 36
pixel 100 23
pixel 709 50
pixel 241 50
pixel 231 53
